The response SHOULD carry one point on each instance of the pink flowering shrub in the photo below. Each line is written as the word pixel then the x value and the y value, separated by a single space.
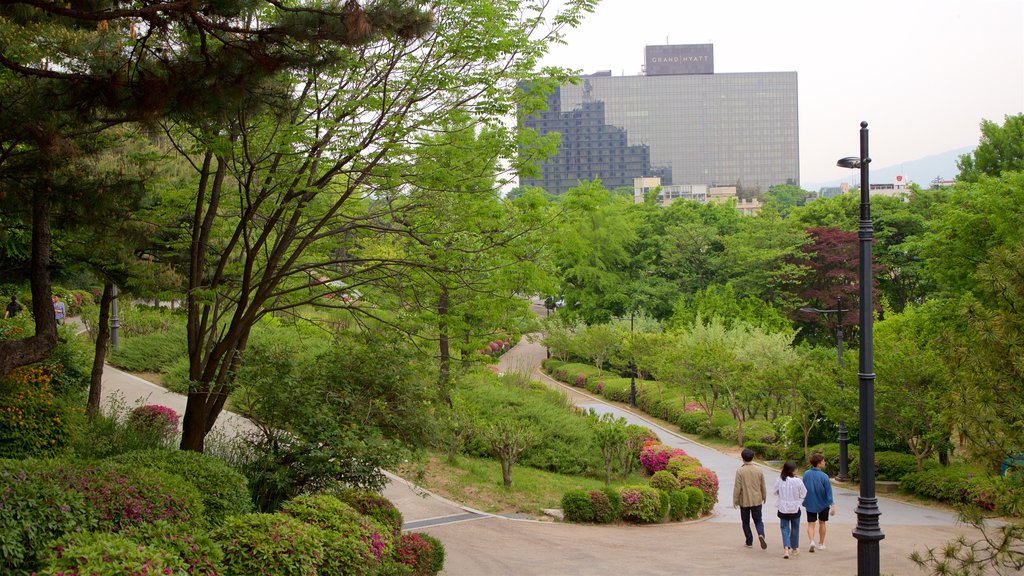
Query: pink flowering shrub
pixel 422 552
pixel 581 380
pixel 706 480
pixel 160 420
pixel 640 504
pixel 270 544
pixel 655 456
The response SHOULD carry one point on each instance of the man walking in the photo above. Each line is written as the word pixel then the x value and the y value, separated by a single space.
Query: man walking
pixel 749 494
pixel 12 307
pixel 818 501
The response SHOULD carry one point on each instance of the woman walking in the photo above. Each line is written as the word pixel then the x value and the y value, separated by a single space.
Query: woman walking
pixel 789 492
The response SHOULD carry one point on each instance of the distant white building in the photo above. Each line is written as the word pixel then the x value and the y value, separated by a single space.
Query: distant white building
pixel 696 192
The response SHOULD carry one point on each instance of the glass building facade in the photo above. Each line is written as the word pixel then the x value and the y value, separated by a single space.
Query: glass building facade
pixel 738 129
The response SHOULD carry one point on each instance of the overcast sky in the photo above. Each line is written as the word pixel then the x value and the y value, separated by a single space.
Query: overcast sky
pixel 923 74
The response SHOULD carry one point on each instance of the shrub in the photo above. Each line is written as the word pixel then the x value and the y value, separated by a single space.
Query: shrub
pixel 665 502
pixel 606 504
pixel 33 422
pixel 665 480
pixel 760 431
pixel 354 544
pixel 152 352
pixel 764 451
pixel 616 389
pixel 109 434
pixel 32 513
pixel 694 501
pixel 375 506
pixel 895 465
pixel 678 505
pixel 160 421
pixel 577 507
pixel 830 451
pixel 706 480
pixel 223 489
pixel 436 563
pixel 693 422
pixel 679 463
pixel 202 556
pixel 655 456
pixel 641 504
pixel 418 552
pixel 960 485
pixel 42 500
pixel 269 545
pixel 106 554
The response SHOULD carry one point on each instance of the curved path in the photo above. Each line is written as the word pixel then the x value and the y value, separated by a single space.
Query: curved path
pixel 478 543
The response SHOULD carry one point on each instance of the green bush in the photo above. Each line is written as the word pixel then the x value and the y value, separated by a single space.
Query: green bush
pixel 152 352
pixel 894 466
pixel 224 490
pixel 43 500
pixel 678 464
pixel 375 506
pixel 109 434
pixel 665 501
pixel 679 505
pixel 354 546
pixel 693 422
pixel 764 451
pixel 194 546
pixel 33 421
pixel 641 504
pixel 958 485
pixel 616 389
pixel 831 453
pixel 694 501
pixel 577 507
pixel 760 431
pixel 607 505
pixel 106 554
pixel 706 480
pixel 665 480
pixel 269 545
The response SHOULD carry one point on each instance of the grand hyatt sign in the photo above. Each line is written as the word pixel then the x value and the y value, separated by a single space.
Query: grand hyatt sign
pixel 679 59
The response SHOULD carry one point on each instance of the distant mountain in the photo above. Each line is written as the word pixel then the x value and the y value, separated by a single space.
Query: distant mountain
pixel 920 172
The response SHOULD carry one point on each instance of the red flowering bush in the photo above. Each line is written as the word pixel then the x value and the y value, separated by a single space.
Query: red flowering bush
pixel 160 420
pixel 581 380
pixel 655 456
pixel 706 480
pixel 421 552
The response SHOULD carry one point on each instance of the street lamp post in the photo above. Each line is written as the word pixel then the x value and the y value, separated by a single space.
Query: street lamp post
pixel 867 532
pixel 844 437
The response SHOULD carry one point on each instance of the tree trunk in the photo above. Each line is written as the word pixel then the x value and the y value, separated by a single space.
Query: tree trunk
pixel 16 353
pixel 102 335
pixel 506 471
pixel 193 423
pixel 444 351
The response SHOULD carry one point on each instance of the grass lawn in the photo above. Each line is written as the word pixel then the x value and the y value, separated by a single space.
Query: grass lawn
pixel 477 483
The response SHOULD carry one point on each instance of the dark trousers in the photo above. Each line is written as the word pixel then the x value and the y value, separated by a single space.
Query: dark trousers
pixel 746 513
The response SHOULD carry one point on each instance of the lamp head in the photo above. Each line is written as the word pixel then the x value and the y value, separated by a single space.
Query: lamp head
pixel 849 162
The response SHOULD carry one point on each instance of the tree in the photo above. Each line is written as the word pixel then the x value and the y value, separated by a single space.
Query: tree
pixel 118 63
pixel 313 191
pixel 598 342
pixel 509 438
pixel 911 393
pixel 610 433
pixel 784 197
pixel 1001 149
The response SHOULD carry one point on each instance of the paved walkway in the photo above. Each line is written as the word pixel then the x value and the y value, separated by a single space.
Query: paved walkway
pixel 478 543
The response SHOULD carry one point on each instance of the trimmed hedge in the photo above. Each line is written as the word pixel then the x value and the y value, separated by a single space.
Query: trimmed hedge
pixel 641 504
pixel 224 491
pixel 665 480
pixel 269 545
pixel 694 501
pixel 607 505
pixel 962 485
pixel 576 506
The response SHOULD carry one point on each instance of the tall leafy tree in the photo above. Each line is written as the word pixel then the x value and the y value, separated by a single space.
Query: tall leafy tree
pixel 68 71
pixel 1001 149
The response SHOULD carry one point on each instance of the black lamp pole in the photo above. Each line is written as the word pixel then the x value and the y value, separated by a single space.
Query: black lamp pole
pixel 867 532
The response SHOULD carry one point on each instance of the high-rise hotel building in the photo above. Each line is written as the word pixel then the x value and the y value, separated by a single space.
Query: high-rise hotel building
pixel 679 122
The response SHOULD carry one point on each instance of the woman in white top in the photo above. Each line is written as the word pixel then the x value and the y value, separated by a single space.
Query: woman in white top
pixel 789 491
